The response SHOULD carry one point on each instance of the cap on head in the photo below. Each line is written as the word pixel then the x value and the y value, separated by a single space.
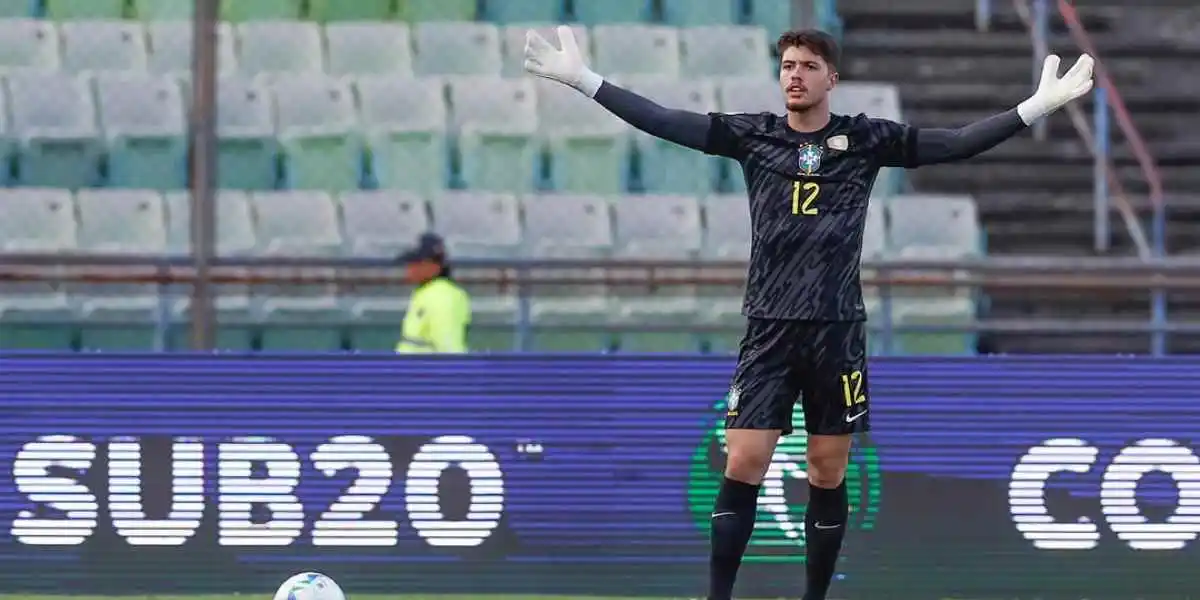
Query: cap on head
pixel 430 246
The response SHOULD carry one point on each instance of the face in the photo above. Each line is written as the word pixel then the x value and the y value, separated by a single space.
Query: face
pixel 420 271
pixel 805 78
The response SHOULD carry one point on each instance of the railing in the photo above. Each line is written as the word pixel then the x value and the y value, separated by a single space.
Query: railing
pixel 524 278
pixel 1107 104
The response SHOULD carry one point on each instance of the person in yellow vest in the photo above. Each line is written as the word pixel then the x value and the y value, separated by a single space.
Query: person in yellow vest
pixel 439 310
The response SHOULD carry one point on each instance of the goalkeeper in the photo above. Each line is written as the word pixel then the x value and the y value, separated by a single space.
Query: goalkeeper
pixel 809 175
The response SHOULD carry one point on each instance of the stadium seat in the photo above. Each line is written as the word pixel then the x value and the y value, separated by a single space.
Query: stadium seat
pixel 525 11
pixel 727 237
pixel 636 50
pixel 668 168
pixel 437 10
pixel 171 48
pixel 514 44
pixel 103 46
pixel 497 121
pixel 318 133
pixel 55 119
pixel 36 315
pixel 143 120
pixel 12 9
pixel 359 10
pixel 589 146
pixel 728 51
pixel 655 227
pixel 750 94
pixel 28 44
pixel 458 49
pixel 687 13
pixel 260 10
pixel 612 11
pixel 934 313
pixel 247 150
pixel 405 125
pixel 121 316
pixel 935 220
pixel 164 10
pixel 274 48
pixel 297 224
pixel 480 225
pixel 234 236
pixel 567 226
pixel 369 49
pixel 379 224
pixel 774 15
pixel 66 10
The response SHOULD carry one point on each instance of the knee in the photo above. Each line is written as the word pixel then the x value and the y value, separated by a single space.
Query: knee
pixel 826 468
pixel 748 463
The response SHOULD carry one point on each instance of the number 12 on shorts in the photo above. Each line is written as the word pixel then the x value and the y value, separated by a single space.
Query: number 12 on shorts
pixel 852 388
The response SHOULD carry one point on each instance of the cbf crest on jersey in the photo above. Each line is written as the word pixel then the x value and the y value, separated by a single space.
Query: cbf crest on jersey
pixel 810 159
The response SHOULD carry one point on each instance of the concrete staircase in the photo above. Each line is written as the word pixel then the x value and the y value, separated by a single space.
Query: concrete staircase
pixel 1035 197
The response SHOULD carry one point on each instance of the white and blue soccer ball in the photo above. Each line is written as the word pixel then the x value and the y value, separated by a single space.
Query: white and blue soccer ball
pixel 309 586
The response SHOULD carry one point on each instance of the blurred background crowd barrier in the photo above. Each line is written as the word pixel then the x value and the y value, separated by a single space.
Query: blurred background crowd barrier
pixel 247 187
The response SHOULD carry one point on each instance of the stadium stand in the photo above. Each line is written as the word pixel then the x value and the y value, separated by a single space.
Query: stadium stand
pixel 345 128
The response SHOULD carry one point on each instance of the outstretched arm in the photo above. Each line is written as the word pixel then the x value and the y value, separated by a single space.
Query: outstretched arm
pixel 566 66
pixel 933 146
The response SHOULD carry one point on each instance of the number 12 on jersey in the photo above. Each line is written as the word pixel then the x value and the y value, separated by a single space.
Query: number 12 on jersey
pixel 804 195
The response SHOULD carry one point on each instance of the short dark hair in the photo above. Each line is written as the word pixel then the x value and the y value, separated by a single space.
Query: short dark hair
pixel 818 42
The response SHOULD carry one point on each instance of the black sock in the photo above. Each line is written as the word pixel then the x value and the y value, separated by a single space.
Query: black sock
pixel 824 528
pixel 732 524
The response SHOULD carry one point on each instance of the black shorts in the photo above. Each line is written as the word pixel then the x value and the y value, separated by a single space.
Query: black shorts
pixel 820 363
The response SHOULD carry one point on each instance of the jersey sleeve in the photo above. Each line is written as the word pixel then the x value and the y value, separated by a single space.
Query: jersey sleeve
pixel 727 133
pixel 892 144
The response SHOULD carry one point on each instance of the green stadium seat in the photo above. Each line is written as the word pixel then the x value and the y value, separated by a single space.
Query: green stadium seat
pixel 36 316
pixel 12 9
pixel 235 236
pixel 725 51
pixel 171 48
pixel 238 11
pixel 589 147
pixel 612 11
pixel 458 49
pixel 569 317
pixel 437 10
pixel 61 10
pixel 689 13
pixel 405 125
pixel 358 10
pixel 774 15
pixel 636 50
pixel 275 48
pixel 525 11
pixel 164 10
pixel 382 223
pixel 668 168
pixel 28 44
pixel 497 122
pixel 934 312
pixel 247 150
pixel 369 49
pixel 54 116
pixel 90 46
pixel 726 238
pixel 514 44
pixel 121 316
pixel 657 227
pixel 299 224
pixel 482 225
pixel 143 120
pixel 936 220
pixel 318 132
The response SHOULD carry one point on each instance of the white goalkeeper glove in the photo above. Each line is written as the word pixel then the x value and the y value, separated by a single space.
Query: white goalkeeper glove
pixel 564 66
pixel 1053 91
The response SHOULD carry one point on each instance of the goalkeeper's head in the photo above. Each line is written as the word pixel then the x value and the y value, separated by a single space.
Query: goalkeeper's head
pixel 807 69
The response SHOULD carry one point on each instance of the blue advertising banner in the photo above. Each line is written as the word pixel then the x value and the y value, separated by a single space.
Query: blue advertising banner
pixel 984 477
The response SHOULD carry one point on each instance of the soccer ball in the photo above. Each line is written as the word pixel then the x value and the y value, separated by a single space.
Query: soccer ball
pixel 309 586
